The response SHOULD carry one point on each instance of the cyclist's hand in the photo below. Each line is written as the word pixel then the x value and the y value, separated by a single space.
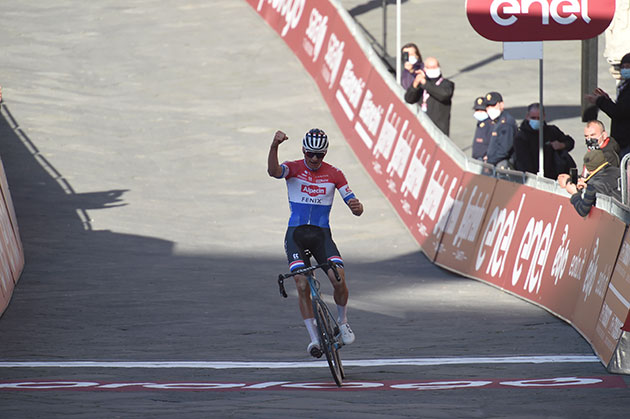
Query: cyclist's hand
pixel 355 206
pixel 278 138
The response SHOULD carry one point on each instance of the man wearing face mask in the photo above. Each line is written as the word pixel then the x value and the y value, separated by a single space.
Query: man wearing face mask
pixel 433 93
pixel 481 140
pixel 504 128
pixel 557 144
pixel 619 110
pixel 412 62
pixel 596 138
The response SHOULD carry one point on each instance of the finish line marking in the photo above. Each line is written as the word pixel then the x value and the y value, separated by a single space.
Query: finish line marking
pixel 544 359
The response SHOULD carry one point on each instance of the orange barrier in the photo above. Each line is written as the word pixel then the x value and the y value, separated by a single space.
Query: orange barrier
pixel 11 252
pixel 526 241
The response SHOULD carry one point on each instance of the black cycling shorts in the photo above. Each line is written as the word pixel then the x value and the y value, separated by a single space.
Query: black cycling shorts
pixel 316 239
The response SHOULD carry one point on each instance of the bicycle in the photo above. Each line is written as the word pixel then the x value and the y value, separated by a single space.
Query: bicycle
pixel 327 326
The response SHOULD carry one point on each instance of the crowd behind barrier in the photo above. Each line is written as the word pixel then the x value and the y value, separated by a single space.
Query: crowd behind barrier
pixel 468 217
pixel 11 252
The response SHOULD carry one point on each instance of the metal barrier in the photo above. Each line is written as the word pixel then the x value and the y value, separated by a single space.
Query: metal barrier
pixel 624 178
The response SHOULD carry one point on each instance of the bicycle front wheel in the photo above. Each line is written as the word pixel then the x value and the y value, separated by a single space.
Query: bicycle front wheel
pixel 328 341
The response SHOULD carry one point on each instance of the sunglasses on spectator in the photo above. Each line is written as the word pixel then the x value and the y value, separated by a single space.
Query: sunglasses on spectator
pixel 311 154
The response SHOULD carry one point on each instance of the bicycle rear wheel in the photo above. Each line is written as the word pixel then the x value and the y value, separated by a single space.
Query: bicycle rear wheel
pixel 328 340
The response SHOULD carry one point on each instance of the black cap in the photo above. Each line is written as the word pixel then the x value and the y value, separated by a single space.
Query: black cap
pixel 625 59
pixel 480 104
pixel 493 98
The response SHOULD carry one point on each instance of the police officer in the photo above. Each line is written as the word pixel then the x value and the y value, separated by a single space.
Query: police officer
pixel 481 140
pixel 504 128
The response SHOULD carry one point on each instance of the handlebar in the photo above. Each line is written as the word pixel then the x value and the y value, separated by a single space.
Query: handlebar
pixel 332 265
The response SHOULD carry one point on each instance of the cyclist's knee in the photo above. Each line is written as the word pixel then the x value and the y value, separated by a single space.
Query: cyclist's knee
pixel 302 285
pixel 341 273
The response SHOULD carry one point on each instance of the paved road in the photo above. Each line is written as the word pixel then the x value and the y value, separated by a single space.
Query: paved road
pixel 153 234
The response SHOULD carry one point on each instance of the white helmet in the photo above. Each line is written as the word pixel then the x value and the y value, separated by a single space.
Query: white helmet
pixel 315 140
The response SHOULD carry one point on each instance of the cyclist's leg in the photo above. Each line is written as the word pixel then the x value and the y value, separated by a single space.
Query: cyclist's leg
pixel 331 253
pixel 340 287
pixel 296 260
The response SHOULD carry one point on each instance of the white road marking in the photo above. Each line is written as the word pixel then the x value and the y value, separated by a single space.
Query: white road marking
pixel 541 359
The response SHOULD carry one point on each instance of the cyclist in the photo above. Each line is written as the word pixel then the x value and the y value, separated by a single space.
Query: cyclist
pixel 311 185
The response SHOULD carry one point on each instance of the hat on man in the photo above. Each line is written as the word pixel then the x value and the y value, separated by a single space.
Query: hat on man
pixel 493 98
pixel 480 104
pixel 625 59
pixel 593 159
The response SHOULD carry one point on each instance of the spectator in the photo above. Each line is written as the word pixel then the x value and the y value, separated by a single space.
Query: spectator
pixel 504 128
pixel 596 138
pixel 434 94
pixel 412 62
pixel 556 157
pixel 601 178
pixel 482 132
pixel 619 110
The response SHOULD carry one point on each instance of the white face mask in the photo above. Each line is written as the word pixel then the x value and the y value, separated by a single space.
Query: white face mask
pixel 432 73
pixel 412 59
pixel 493 113
pixel 480 115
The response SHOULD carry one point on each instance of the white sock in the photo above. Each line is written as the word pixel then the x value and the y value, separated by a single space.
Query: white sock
pixel 341 314
pixel 311 326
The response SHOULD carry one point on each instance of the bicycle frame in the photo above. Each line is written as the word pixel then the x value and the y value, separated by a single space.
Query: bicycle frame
pixel 326 323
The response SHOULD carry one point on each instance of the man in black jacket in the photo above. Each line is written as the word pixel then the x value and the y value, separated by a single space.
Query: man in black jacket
pixel 619 110
pixel 433 93
pixel 602 178
pixel 556 157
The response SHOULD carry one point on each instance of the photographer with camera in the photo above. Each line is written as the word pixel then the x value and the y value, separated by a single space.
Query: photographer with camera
pixel 601 177
pixel 433 93
pixel 411 62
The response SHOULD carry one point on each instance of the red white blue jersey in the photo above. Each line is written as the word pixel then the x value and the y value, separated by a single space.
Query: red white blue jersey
pixel 311 192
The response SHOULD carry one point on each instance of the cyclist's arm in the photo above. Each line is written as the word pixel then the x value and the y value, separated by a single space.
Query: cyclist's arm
pixel 348 196
pixel 273 167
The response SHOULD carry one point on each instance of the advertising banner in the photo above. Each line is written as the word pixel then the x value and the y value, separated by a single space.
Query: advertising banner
pixel 463 227
pixel 597 272
pixel 539 20
pixel 616 306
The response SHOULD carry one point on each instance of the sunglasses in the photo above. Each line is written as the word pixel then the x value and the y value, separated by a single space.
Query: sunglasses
pixel 311 154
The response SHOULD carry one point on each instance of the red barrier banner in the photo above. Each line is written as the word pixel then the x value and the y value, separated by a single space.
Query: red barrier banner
pixel 438 199
pixel 535 252
pixel 616 306
pixel 463 227
pixel 4 185
pixel 598 270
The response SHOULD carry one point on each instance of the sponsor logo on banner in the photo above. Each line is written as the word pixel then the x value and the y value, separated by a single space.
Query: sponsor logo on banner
pixel 539 20
pixel 370 116
pixel 534 250
pixel 290 10
pixel 415 174
pixel 313 190
pixel 433 197
pixel 472 218
pixel 315 34
pixel 350 91
pixel 332 59
pixel 498 237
